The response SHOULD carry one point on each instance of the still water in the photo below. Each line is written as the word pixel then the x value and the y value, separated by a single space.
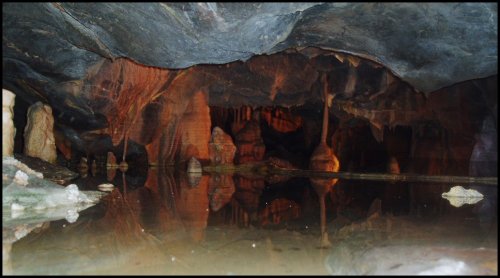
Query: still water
pixel 170 223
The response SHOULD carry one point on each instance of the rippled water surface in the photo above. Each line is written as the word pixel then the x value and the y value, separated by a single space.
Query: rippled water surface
pixel 170 223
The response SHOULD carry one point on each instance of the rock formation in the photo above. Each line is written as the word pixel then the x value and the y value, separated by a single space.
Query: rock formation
pixel 8 129
pixel 39 133
pixel 323 159
pixel 221 148
pixel 195 128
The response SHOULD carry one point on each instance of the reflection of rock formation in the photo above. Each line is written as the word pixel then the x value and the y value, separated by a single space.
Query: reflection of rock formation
pixel 116 238
pixel 484 157
pixel 192 206
pixel 248 192
pixel 221 189
pixel 8 129
pixel 38 134
pixel 279 210
pixel 221 148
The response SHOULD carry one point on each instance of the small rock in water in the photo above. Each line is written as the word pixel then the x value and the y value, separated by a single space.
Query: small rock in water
pixel 194 166
pixel 458 196
pixel 72 215
pixel 106 187
pixel 458 191
pixel 21 178
pixel 15 206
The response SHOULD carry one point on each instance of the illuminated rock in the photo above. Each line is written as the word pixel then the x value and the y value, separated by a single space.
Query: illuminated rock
pixel 38 135
pixel 8 129
pixel 194 166
pixel 195 132
pixel 458 196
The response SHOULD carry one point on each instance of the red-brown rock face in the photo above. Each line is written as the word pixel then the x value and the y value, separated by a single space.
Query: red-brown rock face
pixel 249 143
pixel 280 120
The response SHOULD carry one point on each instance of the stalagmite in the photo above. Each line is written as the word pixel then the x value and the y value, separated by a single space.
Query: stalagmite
pixel 8 129
pixel 195 132
pixel 323 159
pixel 39 135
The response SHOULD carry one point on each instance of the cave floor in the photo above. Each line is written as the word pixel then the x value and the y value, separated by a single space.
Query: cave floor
pixel 146 230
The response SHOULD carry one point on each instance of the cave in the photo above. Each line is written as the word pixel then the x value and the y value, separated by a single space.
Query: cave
pixel 250 138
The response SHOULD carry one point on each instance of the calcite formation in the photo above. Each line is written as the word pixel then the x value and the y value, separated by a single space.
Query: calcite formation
pixel 8 129
pixel 195 132
pixel 221 148
pixel 39 134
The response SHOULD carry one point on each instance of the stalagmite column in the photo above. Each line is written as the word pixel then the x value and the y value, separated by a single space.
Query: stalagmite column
pixel 196 129
pixel 323 159
pixel 8 130
pixel 39 133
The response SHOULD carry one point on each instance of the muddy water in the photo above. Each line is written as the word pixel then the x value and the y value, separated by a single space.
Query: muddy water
pixel 170 223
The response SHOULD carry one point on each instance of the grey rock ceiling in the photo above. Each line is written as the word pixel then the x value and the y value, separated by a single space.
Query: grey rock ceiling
pixel 429 45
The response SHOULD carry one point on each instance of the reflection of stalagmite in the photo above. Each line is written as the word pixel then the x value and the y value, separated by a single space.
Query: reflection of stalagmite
pixel 323 159
pixel 221 189
pixel 193 207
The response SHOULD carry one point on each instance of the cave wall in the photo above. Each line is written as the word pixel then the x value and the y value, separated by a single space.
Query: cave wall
pixel 160 109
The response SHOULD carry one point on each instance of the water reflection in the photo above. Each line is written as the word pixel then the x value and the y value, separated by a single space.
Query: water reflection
pixel 173 223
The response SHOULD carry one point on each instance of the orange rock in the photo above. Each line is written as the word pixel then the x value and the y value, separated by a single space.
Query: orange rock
pixel 195 132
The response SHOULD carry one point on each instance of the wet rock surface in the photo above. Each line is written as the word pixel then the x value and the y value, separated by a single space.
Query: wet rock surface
pixel 418 41
pixel 58 174
pixel 387 245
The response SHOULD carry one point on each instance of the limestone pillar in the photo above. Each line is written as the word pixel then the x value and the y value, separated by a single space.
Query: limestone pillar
pixel 8 130
pixel 196 126
pixel 39 133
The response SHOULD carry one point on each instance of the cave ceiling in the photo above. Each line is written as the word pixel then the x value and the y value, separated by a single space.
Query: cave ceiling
pixel 50 49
